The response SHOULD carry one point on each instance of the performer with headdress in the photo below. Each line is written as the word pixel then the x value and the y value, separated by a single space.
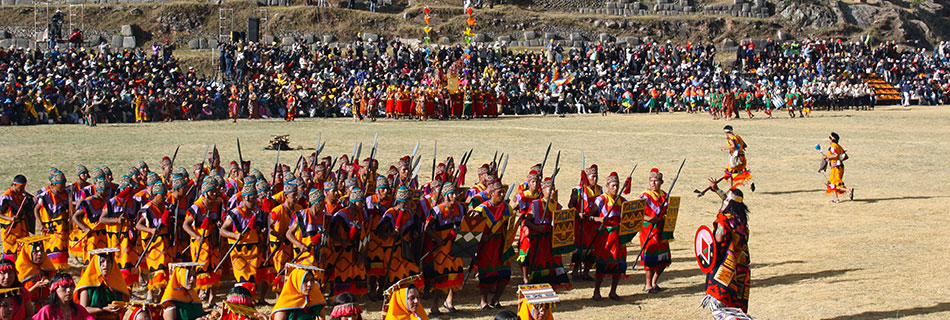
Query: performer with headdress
pixel 656 250
pixel 120 232
pixel 301 297
pixel 441 270
pixel 11 306
pixel 200 225
pixel 406 304
pixel 345 307
pixel 89 214
pixel 178 204
pixel 494 254
pixel 582 199
pixel 239 305
pixel 154 224
pixel 12 217
pixel 180 299
pixel 536 302
pixel 34 269
pixel 306 230
pixel 534 253
pixel 403 222
pixel 77 247
pixel 729 283
pixel 59 304
pixel 836 156
pixel 101 284
pixel 736 173
pixel 52 211
pixel 241 226
pixel 380 238
pixel 280 247
pixel 9 280
pixel 523 200
pixel 346 260
pixel 610 255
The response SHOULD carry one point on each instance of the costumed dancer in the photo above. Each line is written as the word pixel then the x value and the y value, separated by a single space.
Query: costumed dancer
pixel 729 283
pixel 280 248
pixel 60 305
pixel 88 217
pixel 34 269
pixel 241 227
pixel 534 254
pixel 582 199
pixel 347 230
pixel 301 297
pixel 380 238
pixel 536 302
pixel 494 254
pixel 404 225
pixel 610 255
pixel 441 270
pixel 120 231
pixel 101 284
pixel 836 156
pixel 180 299
pixel 306 231
pixel 23 306
pixel 656 250
pixel 154 224
pixel 14 204
pixel 52 211
pixel 736 173
pixel 77 247
pixel 200 225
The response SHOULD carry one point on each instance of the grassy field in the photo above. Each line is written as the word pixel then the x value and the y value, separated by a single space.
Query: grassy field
pixel 877 257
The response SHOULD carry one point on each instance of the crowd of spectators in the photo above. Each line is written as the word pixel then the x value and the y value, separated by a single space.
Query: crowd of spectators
pixel 370 78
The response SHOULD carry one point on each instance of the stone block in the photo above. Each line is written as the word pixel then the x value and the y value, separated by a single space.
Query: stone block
pixel 309 39
pixel 738 1
pixel 530 35
pixel 268 39
pixel 611 5
pixel 445 40
pixel 6 43
pixel 728 42
pixel 534 43
pixel 116 41
pixel 688 9
pixel 504 39
pixel 21 43
pixel 633 41
pixel 212 44
pixel 128 42
pixel 550 35
pixel 127 31
pixel 781 35
pixel 576 36
pixel 24 2
pixel 287 41
pixel 577 44
pixel 370 37
pixel 603 37
pixel 194 44
pixel 8 2
pixel 746 7
pixel 480 37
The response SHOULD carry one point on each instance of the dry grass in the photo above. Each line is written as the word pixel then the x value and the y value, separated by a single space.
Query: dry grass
pixel 881 256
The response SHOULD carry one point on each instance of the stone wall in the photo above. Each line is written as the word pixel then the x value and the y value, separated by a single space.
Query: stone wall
pixel 739 8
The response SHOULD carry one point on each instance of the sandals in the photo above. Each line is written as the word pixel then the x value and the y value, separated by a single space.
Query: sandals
pixel 451 309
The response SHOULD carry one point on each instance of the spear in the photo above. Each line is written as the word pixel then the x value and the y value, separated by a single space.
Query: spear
pixel 172 165
pixel 435 152
pixel 372 154
pixel 504 166
pixel 545 161
pixel 240 157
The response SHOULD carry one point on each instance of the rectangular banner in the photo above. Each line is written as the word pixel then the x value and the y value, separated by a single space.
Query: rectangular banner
pixel 669 225
pixel 562 237
pixel 631 219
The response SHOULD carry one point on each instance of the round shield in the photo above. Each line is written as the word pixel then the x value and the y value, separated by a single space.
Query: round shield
pixel 705 249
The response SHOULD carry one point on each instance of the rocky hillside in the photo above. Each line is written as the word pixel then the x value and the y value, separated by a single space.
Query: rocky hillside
pixel 563 20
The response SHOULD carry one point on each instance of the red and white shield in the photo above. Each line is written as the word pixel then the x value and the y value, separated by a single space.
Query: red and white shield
pixel 705 249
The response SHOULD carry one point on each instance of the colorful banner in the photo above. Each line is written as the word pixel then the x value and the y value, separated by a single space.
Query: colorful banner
pixel 672 211
pixel 631 219
pixel 562 238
